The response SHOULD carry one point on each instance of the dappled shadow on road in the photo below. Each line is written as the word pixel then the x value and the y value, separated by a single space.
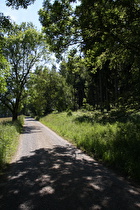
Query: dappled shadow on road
pixel 53 179
pixel 31 129
pixel 28 129
pixel 30 119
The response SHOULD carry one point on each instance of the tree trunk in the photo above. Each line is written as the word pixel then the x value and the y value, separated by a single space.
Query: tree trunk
pixel 14 115
pixel 15 110
pixel 101 91
pixel 116 89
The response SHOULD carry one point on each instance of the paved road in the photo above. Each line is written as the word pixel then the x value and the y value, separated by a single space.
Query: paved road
pixel 48 173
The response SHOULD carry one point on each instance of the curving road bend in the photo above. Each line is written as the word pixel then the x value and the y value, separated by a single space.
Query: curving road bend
pixel 48 173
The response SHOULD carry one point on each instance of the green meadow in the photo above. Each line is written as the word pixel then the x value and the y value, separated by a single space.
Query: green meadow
pixel 113 138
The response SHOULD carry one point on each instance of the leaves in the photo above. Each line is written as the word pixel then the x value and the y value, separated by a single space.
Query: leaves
pixel 48 92
pixel 23 48
pixel 4 72
pixel 19 3
pixel 59 24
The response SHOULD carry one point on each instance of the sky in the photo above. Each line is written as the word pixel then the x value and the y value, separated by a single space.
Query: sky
pixel 23 15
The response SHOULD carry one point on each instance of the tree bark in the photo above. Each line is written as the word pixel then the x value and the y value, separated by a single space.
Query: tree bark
pixel 16 109
pixel 14 115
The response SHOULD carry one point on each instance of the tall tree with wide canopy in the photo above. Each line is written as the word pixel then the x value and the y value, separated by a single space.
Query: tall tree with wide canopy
pixel 24 47
pixel 5 25
pixel 108 32
pixel 112 25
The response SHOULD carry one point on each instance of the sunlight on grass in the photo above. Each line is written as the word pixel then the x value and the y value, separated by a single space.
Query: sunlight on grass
pixel 115 142
pixel 5 119
pixel 9 134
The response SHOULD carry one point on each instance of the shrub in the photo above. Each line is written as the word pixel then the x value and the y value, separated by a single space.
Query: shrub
pixel 69 113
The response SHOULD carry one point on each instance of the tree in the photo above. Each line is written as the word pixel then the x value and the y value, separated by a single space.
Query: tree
pixel 108 32
pixel 23 48
pixel 109 40
pixel 6 25
pixel 48 91
pixel 73 70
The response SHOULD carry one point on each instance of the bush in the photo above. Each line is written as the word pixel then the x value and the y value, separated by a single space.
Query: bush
pixel 21 120
pixel 69 113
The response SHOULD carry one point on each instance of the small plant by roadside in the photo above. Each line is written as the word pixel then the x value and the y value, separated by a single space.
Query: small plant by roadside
pixel 109 137
pixel 9 134
pixel 69 113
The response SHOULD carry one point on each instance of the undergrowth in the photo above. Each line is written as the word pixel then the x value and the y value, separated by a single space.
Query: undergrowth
pixel 9 134
pixel 111 137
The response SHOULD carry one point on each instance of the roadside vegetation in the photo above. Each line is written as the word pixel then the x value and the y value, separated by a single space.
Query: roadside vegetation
pixel 112 137
pixel 100 71
pixel 9 136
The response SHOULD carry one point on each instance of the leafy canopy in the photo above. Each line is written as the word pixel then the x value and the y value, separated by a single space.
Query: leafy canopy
pixel 19 3
pixel 103 28
pixel 24 47
pixel 59 24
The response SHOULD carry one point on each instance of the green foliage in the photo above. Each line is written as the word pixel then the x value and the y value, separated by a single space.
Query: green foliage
pixel 4 65
pixel 4 72
pixel 23 47
pixel 17 4
pixel 48 92
pixel 19 123
pixel 9 134
pixel 74 71
pixel 59 24
pixel 107 34
pixel 4 24
pixel 115 142
pixel 69 113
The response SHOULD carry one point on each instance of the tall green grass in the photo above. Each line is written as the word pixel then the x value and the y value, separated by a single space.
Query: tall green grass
pixel 9 134
pixel 116 142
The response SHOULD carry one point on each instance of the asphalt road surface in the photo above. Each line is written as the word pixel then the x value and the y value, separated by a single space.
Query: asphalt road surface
pixel 48 173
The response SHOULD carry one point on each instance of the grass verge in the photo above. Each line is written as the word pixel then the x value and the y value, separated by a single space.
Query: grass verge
pixel 111 138
pixel 9 135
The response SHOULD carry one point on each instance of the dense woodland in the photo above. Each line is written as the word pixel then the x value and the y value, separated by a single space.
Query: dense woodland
pixel 97 44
